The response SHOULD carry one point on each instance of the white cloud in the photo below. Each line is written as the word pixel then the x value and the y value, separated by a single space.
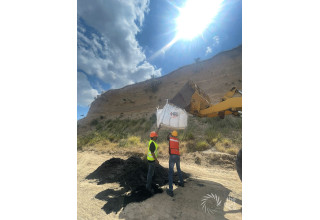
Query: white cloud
pixel 209 50
pixel 113 54
pixel 85 93
pixel 216 40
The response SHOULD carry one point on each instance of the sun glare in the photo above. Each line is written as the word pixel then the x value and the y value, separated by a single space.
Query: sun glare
pixel 195 17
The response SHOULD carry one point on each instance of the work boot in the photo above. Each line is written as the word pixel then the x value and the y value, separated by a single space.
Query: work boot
pixel 181 184
pixel 169 192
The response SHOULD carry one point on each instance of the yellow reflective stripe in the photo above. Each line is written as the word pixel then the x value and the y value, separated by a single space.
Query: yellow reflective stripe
pixel 174 140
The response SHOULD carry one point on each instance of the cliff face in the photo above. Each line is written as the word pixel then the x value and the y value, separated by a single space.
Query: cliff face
pixel 214 76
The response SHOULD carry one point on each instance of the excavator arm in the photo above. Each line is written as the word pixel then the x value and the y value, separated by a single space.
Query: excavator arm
pixel 195 101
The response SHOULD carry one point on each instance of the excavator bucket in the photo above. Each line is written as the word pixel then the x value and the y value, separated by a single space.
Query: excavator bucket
pixel 191 98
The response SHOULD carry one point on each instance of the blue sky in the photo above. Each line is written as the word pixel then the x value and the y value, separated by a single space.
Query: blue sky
pixel 124 42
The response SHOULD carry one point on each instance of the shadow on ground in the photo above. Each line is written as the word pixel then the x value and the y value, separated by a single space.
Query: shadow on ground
pixel 131 174
pixel 199 199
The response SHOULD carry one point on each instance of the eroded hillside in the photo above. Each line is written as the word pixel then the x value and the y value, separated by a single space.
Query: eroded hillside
pixel 215 76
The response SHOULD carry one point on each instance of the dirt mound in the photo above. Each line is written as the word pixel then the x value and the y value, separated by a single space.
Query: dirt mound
pixel 222 159
pixel 131 174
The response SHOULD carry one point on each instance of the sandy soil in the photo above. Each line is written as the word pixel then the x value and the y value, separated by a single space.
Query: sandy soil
pixel 218 184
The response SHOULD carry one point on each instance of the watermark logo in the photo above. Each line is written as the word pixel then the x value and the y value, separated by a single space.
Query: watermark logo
pixel 210 203
pixel 174 114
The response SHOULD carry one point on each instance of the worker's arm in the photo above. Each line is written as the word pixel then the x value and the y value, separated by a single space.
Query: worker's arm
pixel 158 129
pixel 168 138
pixel 152 149
pixel 154 156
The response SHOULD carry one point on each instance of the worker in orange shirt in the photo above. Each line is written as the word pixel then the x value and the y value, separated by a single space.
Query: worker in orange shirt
pixel 174 159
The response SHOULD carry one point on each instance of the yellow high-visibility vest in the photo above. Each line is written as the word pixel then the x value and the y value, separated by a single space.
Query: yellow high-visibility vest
pixel 149 156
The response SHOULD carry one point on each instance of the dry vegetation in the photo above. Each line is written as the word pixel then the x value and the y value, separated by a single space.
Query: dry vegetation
pixel 131 136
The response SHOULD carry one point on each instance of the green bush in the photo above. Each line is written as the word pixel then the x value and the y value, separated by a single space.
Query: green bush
pixel 187 136
pixel 202 145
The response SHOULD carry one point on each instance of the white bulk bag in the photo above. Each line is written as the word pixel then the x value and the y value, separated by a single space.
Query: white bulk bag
pixel 172 116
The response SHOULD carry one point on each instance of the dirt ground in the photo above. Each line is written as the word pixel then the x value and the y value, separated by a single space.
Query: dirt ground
pixel 210 193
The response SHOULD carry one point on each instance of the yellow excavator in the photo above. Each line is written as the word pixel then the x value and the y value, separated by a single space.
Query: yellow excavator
pixel 197 102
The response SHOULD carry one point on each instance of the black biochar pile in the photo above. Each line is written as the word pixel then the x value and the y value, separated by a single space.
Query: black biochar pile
pixel 131 174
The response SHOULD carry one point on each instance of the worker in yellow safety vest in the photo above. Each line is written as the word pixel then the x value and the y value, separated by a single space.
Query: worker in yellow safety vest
pixel 152 159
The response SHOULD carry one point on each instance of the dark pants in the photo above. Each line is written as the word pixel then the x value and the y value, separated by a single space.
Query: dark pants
pixel 150 174
pixel 174 159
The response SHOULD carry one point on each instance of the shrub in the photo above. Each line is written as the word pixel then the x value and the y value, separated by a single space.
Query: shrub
pixel 191 147
pixel 134 140
pixel 199 146
pixel 99 126
pixel 123 143
pixel 232 150
pixel 226 142
pixel 94 122
pixel 112 137
pixel 202 145
pixel 187 136
pixel 213 136
pixel 219 147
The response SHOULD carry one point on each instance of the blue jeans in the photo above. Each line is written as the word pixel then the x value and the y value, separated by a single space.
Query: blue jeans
pixel 174 159
pixel 150 174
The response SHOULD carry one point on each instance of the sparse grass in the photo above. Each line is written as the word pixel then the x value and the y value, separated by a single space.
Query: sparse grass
pixel 134 140
pixel 163 148
pixel 226 142
pixel 228 131
pixel 233 150
pixel 133 135
pixel 197 146
pixel 94 122
pixel 227 147
pixel 182 148
pixel 189 133
pixel 123 143
pixel 191 146
pixel 187 136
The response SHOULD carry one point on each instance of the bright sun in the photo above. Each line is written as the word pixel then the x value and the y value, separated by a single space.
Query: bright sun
pixel 195 17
